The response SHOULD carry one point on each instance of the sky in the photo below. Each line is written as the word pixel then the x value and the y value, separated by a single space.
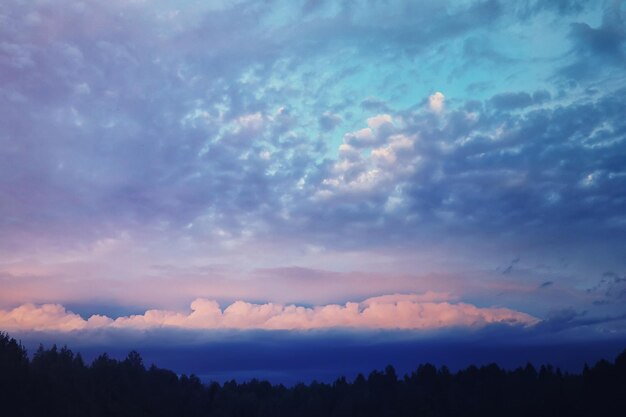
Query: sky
pixel 363 182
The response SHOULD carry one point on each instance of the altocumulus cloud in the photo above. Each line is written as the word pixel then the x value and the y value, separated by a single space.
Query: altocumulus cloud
pixel 427 311
pixel 203 135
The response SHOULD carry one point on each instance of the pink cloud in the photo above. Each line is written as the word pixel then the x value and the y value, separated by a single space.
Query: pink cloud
pixel 45 317
pixel 436 102
pixel 397 311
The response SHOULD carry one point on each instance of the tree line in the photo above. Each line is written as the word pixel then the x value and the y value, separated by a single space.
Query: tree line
pixel 58 382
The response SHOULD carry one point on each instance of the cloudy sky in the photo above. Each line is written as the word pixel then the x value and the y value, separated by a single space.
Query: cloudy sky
pixel 313 170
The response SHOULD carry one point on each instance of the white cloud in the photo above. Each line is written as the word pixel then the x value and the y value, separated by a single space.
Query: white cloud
pixel 436 102
pixel 45 317
pixel 396 311
pixel 385 155
pixel 380 120
pixel 349 152
pixel 361 138
pixel 591 180
pixel 390 161
pixel 251 121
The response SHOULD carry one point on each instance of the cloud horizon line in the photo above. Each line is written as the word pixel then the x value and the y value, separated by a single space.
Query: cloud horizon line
pixel 427 311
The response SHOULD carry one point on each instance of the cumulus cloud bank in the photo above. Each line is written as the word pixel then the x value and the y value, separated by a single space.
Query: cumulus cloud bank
pixel 427 311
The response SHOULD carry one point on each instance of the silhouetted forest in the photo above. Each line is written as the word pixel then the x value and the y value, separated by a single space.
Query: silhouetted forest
pixel 57 382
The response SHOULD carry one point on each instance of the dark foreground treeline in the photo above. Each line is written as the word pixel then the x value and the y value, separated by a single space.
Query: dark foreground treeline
pixel 57 382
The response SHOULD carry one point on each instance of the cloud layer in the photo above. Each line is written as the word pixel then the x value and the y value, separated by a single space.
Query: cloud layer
pixel 153 152
pixel 211 133
pixel 410 311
